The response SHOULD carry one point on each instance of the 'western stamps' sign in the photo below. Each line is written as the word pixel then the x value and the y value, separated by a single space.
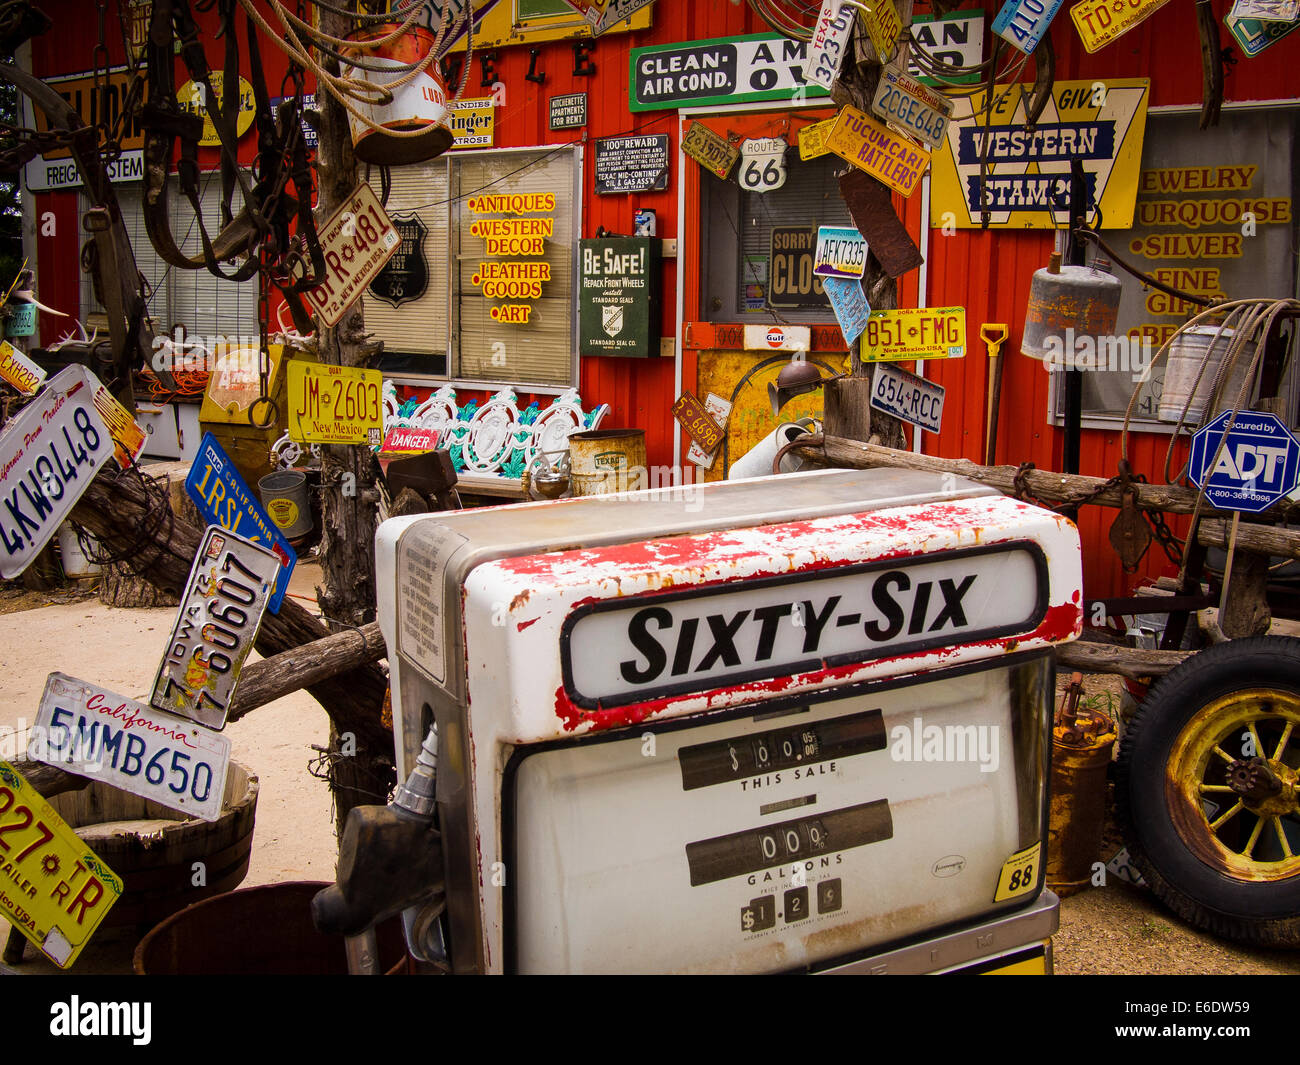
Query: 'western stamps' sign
pixel 727 70
pixel 914 108
pixel 569 111
pixel 1025 183
pixel 1022 23
pixel 889 158
pixel 634 649
pixel 631 164
pixel 618 303
pixel 1101 21
pixel 841 252
pixel 716 154
pixel 1258 465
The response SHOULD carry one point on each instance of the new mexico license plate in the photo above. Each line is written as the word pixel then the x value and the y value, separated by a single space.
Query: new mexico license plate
pixel 53 888
pixel 929 333
pixel 220 611
pixel 335 404
pixel 357 241
pixel 87 730
pixel 1101 21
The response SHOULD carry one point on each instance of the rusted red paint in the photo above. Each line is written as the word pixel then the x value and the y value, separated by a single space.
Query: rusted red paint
pixel 1062 622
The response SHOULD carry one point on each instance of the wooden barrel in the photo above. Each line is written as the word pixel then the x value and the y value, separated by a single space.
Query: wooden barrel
pixel 154 849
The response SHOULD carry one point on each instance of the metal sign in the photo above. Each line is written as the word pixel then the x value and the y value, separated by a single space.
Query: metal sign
pixel 763 164
pixel 912 333
pixel 1023 23
pixel 55 168
pixel 357 241
pixel 778 337
pixel 841 252
pixel 716 154
pixel 697 422
pixel 618 302
pixel 726 70
pixel 405 277
pixel 18 370
pixel 57 890
pixel 192 98
pixel 49 454
pixel 1101 21
pixel 812 139
pixel 129 438
pixel 1253 34
pixel 830 38
pixel 568 111
pixel 405 440
pixel 849 302
pixel 335 404
pixel 792 280
pixel 631 164
pixel 221 609
pixel 223 498
pixel 914 108
pixel 889 158
pixel 93 732
pixel 883 25
pixel 719 410
pixel 905 395
pixel 1258 465
pixel 472 122
pixel 956 38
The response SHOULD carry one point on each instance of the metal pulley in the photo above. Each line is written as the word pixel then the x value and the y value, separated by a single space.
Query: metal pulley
pixel 1066 304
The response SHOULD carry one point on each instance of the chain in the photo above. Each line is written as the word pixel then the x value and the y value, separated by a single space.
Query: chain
pixel 110 149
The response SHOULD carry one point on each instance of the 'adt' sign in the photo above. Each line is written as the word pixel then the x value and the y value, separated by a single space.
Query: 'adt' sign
pixel 1259 464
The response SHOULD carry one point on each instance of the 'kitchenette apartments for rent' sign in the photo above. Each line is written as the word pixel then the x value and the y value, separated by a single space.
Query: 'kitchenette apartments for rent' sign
pixel 725 70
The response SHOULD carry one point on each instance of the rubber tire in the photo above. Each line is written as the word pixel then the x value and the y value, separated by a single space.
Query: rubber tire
pixel 1260 913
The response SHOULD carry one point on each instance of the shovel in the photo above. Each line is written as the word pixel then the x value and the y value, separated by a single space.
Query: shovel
pixel 993 334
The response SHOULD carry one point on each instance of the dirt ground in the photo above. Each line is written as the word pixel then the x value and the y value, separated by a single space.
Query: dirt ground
pixel 1117 928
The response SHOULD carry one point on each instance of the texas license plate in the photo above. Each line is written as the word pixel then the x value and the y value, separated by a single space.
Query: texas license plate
pixel 220 611
pixel 928 333
pixel 357 241
pixel 905 395
pixel 96 733
pixel 335 404
pixel 49 454
pixel 830 38
pixel 53 888
pixel 912 107
pixel 1101 21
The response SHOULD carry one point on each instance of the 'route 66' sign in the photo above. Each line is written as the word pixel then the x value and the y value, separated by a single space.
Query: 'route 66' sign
pixel 762 164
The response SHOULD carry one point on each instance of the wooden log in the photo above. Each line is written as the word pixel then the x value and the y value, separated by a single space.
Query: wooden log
pixel 1261 539
pixel 1088 657
pixel 1245 611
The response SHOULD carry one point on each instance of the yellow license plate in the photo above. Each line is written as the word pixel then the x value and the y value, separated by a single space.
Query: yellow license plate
pixel 882 153
pixel 53 888
pixel 883 25
pixel 1101 21
pixel 812 139
pixel 929 333
pixel 335 404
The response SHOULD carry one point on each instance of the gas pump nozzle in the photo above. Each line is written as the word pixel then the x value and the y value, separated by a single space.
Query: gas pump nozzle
pixel 390 857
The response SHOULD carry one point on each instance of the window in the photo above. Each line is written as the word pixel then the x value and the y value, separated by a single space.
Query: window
pixel 1189 232
pixel 491 240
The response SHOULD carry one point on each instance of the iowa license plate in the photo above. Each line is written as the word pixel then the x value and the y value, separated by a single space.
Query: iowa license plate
pixel 220 611
pixel 335 404
pixel 1101 21
pixel 96 733
pixel 929 333
pixel 357 241
pixel 53 888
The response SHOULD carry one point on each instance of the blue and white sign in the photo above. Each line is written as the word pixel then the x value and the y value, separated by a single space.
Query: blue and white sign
pixel 850 305
pixel 1259 463
pixel 223 498
pixel 1023 23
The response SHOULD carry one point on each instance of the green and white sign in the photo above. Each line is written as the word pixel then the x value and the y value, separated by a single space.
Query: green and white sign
pixel 726 70
pixel 618 302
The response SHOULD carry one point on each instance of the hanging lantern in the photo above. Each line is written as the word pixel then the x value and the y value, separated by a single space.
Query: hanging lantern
pixel 418 105
pixel 1066 305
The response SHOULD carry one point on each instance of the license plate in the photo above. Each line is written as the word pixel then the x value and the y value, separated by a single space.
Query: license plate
pixel 719 410
pixel 929 333
pixel 357 241
pixel 883 25
pixel 49 454
pixel 830 38
pixel 53 888
pixel 18 370
pixel 914 108
pixel 812 139
pixel 1101 21
pixel 216 625
pixel 905 395
pixel 841 252
pixel 887 156
pixel 335 404
pixel 1254 35
pixel 93 732
pixel 1023 23
pixel 697 422
pixel 128 438
pixel 716 154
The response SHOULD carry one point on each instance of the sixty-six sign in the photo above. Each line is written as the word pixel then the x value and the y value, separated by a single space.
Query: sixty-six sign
pixel 1259 463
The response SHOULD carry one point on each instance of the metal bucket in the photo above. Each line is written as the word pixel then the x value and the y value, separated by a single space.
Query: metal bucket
pixel 1189 350
pixel 602 461
pixel 75 562
pixel 420 104
pixel 284 494
pixel 1065 304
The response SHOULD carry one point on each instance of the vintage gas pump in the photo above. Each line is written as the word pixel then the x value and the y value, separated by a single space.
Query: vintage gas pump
pixel 783 724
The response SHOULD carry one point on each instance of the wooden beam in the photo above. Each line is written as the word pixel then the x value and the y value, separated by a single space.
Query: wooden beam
pixel 1088 657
